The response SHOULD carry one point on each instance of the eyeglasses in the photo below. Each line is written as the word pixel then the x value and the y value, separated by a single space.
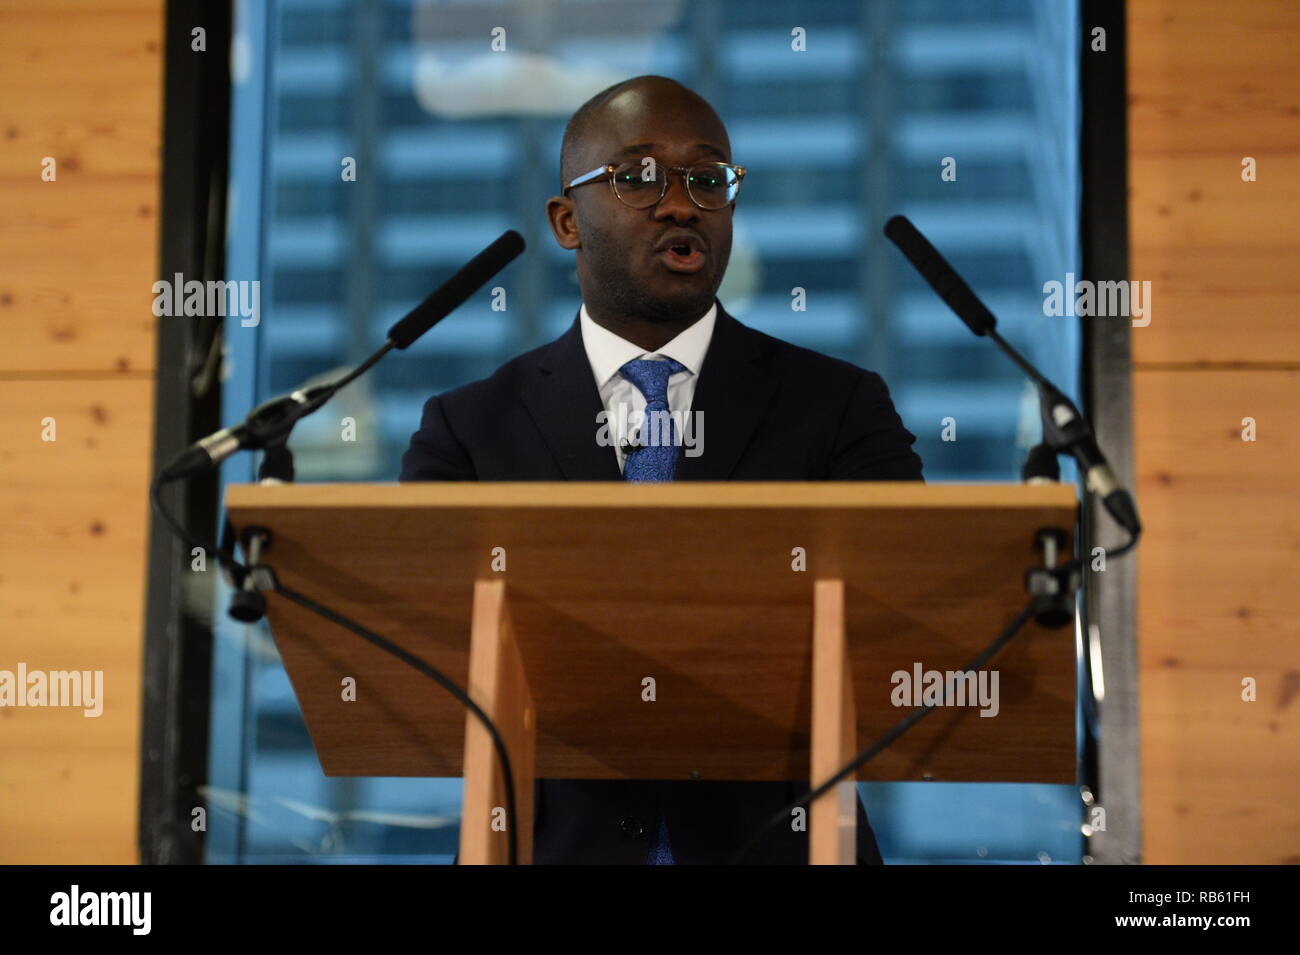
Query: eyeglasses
pixel 710 185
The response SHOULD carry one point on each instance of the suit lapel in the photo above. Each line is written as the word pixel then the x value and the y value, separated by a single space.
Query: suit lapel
pixel 733 395
pixel 562 397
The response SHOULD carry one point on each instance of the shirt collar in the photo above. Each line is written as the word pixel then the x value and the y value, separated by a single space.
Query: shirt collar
pixel 608 352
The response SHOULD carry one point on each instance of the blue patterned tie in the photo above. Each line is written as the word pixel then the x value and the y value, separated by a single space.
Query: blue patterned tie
pixel 656 459
pixel 654 462
pixel 662 852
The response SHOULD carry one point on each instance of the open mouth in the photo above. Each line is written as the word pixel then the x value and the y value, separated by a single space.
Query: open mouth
pixel 683 256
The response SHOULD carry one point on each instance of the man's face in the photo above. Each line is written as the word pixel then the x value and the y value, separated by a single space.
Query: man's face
pixel 625 264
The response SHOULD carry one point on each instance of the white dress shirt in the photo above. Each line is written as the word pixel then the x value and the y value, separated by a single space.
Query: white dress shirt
pixel 607 353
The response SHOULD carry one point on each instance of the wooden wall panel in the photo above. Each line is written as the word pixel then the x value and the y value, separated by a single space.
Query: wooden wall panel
pixel 1210 83
pixel 1220 775
pixel 1221 304
pixel 80 82
pixel 1217 508
pixel 76 287
pixel 1217 252
pixel 72 563
pixel 1201 202
pixel 1207 77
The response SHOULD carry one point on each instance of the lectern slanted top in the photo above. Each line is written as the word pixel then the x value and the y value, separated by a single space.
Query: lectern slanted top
pixel 693 585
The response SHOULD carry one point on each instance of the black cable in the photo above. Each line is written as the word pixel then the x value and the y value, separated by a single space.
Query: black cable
pixel 226 557
pixel 1076 564
pixel 507 774
pixel 438 677
pixel 1121 551
pixel 870 753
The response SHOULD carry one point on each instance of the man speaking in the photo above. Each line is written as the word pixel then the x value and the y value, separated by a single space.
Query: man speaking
pixel 649 191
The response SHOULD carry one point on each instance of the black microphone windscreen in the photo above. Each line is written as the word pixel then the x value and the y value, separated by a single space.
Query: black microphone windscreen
pixel 934 268
pixel 453 293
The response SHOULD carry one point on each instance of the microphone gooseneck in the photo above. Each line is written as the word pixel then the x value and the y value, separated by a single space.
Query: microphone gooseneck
pixel 268 425
pixel 1065 429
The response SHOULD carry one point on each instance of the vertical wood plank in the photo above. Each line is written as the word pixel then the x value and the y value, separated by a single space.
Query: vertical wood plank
pixel 833 817
pixel 498 684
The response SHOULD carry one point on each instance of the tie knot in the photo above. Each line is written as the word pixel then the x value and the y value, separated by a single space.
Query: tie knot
pixel 651 377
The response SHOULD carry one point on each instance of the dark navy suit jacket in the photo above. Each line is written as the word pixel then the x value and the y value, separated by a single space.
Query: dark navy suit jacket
pixel 774 412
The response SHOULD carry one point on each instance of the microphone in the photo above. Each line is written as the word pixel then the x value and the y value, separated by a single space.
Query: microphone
pixel 925 258
pixel 1064 427
pixel 269 424
pixel 453 293
pixel 265 424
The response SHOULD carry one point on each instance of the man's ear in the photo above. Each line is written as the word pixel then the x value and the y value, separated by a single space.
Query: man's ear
pixel 562 216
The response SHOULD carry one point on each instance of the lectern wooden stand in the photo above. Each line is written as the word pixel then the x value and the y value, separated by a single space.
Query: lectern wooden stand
pixel 727 631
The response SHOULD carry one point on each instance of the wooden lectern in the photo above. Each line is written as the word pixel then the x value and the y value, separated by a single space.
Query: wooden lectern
pixel 691 630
